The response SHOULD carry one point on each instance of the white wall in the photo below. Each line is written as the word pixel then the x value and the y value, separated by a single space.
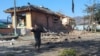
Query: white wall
pixel 65 21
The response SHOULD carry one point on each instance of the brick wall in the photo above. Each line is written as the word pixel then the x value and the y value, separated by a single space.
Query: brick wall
pixel 6 30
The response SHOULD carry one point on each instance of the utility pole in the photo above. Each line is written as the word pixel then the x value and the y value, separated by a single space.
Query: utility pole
pixel 84 24
pixel 15 29
pixel 92 18
pixel 95 20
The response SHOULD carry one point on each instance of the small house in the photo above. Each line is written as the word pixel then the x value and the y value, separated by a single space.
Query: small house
pixel 27 16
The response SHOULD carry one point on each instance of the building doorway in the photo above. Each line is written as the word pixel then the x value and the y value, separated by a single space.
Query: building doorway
pixel 21 24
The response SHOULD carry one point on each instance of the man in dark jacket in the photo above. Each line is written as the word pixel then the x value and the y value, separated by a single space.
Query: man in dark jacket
pixel 37 30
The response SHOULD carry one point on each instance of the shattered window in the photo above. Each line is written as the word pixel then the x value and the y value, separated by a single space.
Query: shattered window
pixel 55 19
pixel 21 20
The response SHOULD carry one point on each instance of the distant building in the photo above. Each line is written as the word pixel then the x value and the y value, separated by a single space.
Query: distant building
pixel 68 21
pixel 28 15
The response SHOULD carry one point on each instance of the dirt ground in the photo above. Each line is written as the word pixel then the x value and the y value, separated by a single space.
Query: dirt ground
pixel 86 45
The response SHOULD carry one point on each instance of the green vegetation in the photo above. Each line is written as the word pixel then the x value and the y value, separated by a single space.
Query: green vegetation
pixel 93 12
pixel 68 52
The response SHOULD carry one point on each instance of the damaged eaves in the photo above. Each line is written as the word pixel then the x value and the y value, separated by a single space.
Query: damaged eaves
pixel 31 8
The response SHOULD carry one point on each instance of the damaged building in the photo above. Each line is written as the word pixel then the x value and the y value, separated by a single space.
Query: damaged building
pixel 27 16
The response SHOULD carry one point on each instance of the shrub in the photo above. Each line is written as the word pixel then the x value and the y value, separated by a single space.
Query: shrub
pixel 68 52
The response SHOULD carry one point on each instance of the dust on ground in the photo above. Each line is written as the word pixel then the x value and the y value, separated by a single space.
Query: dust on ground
pixel 85 43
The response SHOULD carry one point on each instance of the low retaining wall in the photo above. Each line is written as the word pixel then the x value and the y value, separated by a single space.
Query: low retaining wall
pixel 6 30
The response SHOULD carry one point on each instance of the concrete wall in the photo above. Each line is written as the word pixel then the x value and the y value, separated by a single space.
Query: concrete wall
pixel 65 21
pixel 44 19
pixel 28 20
pixel 13 21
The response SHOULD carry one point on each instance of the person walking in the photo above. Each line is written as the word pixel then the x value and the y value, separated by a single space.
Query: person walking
pixel 37 30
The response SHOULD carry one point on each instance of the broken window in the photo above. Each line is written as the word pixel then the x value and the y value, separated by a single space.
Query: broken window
pixel 21 20
pixel 55 20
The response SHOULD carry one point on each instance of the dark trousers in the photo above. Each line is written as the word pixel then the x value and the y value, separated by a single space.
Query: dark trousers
pixel 37 40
